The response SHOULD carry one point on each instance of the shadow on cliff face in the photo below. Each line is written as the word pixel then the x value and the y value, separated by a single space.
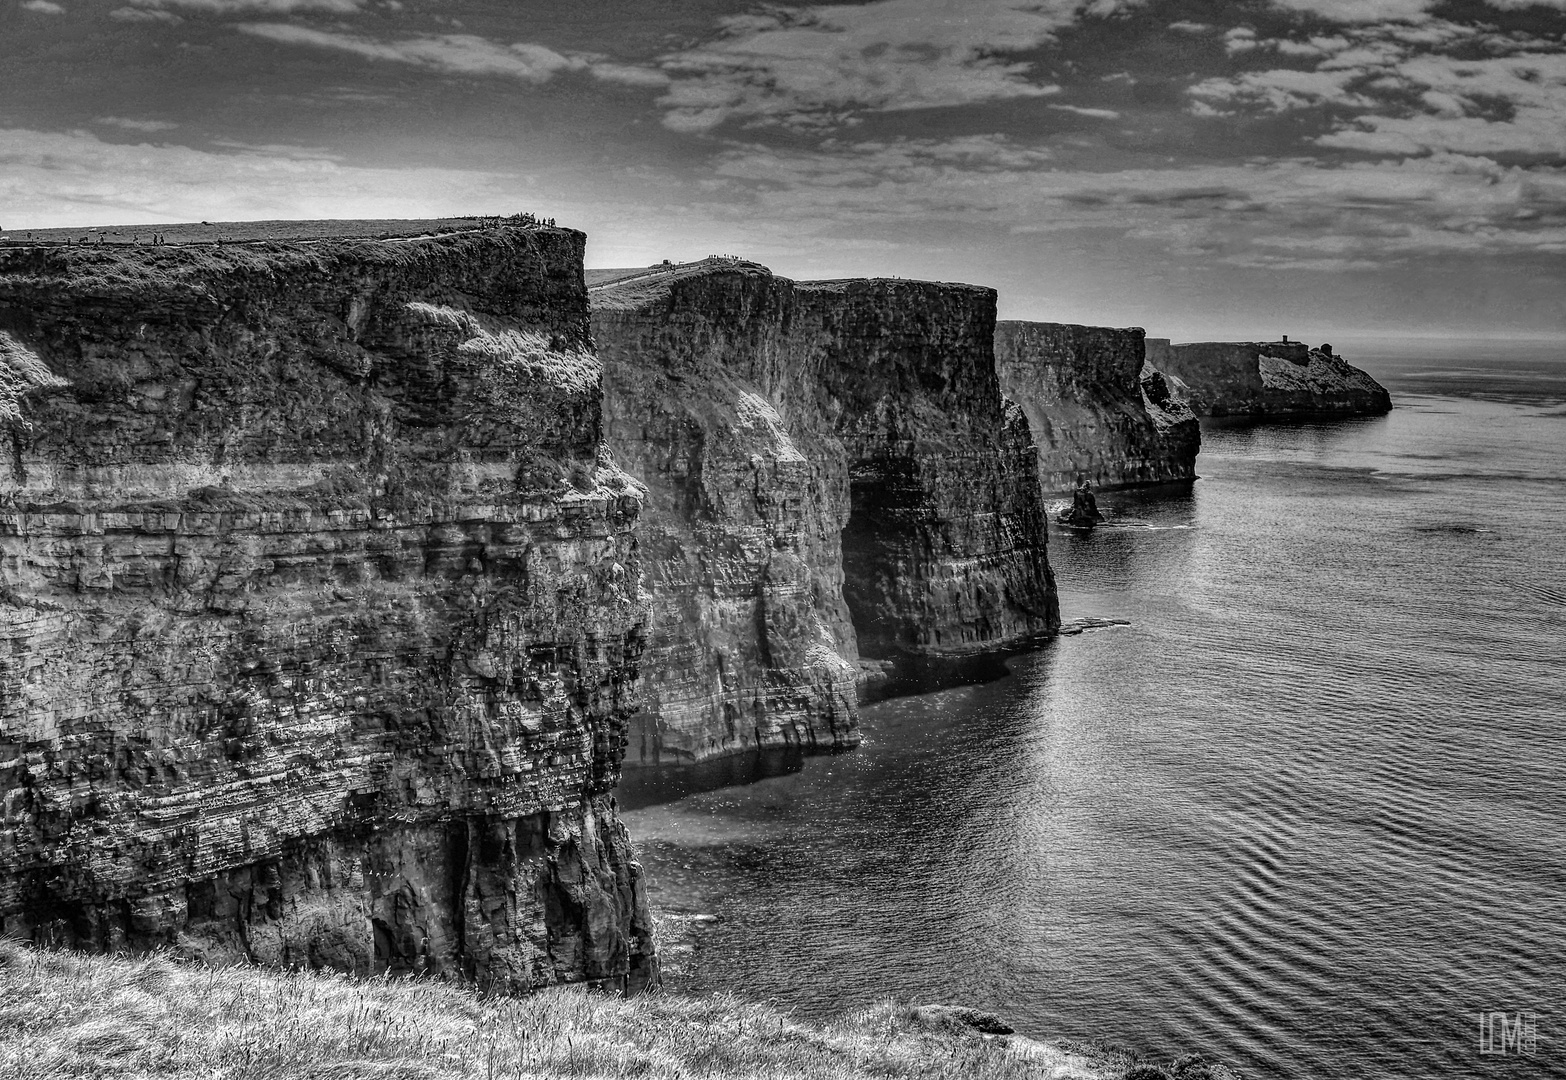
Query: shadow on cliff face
pixel 908 675
pixel 871 581
pixel 652 786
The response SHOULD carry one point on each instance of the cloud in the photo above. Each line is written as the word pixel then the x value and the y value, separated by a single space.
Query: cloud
pixel 1361 11
pixel 1375 11
pixel 130 14
pixel 627 74
pixel 263 7
pixel 818 67
pixel 74 178
pixel 1365 213
pixel 44 7
pixel 1398 93
pixel 1185 26
pixel 1275 91
pixel 462 54
pixel 135 125
pixel 281 150
pixel 1240 39
pixel 1103 114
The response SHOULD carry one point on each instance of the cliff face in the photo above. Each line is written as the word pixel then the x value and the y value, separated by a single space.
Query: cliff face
pixel 319 609
pixel 1268 379
pixel 1319 383
pixel 1095 411
pixel 831 473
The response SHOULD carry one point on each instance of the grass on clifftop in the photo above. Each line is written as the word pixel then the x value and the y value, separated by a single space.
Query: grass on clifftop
pixel 65 1014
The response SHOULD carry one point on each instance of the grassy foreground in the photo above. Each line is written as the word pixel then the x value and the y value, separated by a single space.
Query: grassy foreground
pixel 65 1014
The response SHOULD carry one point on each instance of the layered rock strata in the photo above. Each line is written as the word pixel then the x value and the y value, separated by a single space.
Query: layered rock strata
pixel 832 474
pixel 319 608
pixel 1096 410
pixel 1272 378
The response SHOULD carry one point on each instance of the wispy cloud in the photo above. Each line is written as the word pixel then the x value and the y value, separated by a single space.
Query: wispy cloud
pixel 1275 91
pixel 43 7
pixel 1409 91
pixel 76 178
pixel 1377 212
pixel 1080 110
pixel 1510 105
pixel 1377 11
pixel 1238 40
pixel 135 125
pixel 1361 11
pixel 144 15
pixel 464 54
pixel 818 67
pixel 252 7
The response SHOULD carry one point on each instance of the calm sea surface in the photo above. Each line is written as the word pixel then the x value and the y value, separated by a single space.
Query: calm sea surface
pixel 1306 814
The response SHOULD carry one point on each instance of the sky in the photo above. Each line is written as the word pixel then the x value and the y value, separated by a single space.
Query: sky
pixel 1202 168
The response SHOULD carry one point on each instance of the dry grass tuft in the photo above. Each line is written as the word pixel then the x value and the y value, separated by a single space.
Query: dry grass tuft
pixel 65 1014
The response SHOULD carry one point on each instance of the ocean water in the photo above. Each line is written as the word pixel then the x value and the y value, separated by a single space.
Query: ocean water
pixel 1306 814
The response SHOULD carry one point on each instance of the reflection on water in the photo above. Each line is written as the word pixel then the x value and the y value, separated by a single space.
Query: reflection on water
pixel 1304 814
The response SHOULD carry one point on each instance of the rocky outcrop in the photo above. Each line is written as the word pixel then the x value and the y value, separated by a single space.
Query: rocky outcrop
pixel 319 608
pixel 1319 382
pixel 1096 412
pixel 832 474
pixel 1276 378
pixel 1084 512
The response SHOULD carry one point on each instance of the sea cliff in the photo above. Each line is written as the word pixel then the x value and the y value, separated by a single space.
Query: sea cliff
pixel 1276 378
pixel 319 608
pixel 832 475
pixel 1097 411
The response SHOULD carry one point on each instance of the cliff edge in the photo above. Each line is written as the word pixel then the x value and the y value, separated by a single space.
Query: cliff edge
pixel 832 474
pixel 1276 378
pixel 1096 411
pixel 319 608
